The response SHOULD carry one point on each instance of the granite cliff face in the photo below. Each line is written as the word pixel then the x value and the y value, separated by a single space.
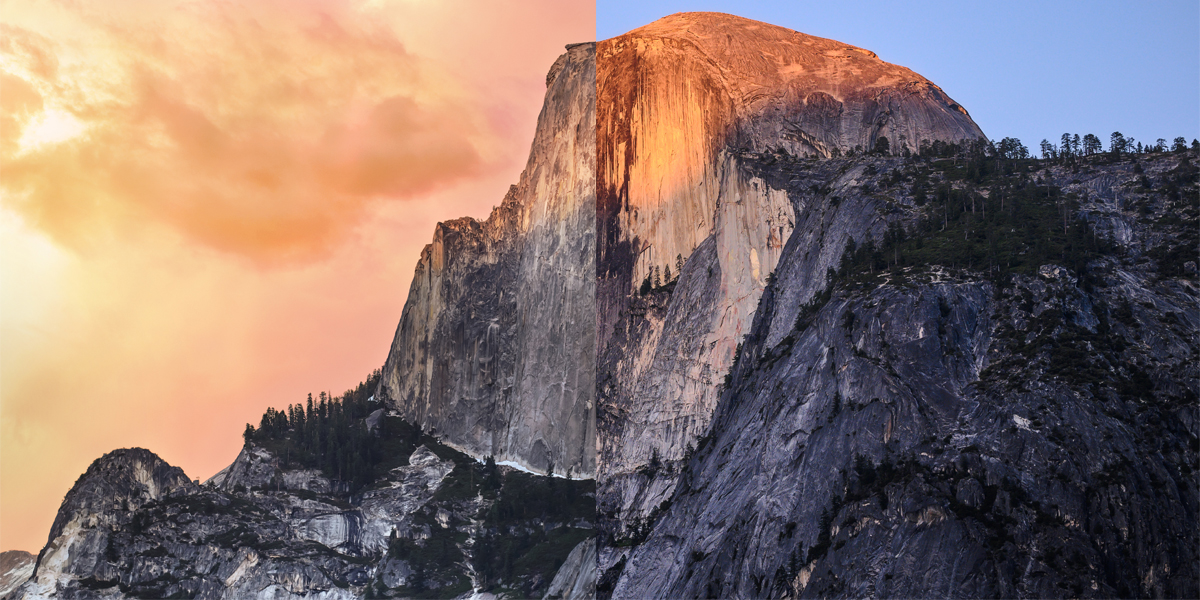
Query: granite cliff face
pixel 675 94
pixel 681 103
pixel 495 350
pixel 968 422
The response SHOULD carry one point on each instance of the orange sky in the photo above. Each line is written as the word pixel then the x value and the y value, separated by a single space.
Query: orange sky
pixel 208 208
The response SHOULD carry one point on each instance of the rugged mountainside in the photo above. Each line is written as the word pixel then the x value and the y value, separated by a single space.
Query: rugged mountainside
pixel 800 361
pixel 494 356
pixel 681 103
pixel 436 524
pixel 496 345
pixel 991 399
pixel 15 567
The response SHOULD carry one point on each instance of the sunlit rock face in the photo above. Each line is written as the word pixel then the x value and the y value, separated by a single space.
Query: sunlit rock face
pixel 680 104
pixel 676 93
pixel 495 351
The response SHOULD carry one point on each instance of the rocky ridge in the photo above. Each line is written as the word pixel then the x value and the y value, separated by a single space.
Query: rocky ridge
pixel 955 427
pixel 133 526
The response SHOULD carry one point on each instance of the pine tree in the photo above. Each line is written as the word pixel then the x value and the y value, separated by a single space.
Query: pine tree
pixel 657 280
pixel 1116 143
pixel 1047 149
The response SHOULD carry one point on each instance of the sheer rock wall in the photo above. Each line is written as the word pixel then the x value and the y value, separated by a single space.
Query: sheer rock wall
pixel 681 104
pixel 495 350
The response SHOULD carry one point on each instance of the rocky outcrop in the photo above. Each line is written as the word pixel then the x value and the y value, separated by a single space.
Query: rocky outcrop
pixel 941 431
pixel 134 525
pixel 15 568
pixel 681 104
pixel 495 350
pixel 102 500
pixel 576 579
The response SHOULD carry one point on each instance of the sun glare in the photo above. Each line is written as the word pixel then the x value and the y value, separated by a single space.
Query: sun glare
pixel 51 126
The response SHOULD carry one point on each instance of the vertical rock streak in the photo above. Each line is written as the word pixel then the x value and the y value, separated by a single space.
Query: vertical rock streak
pixel 495 350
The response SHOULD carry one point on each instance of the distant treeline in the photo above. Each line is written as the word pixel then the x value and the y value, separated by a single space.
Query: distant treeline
pixel 997 218
pixel 1069 146
pixel 988 210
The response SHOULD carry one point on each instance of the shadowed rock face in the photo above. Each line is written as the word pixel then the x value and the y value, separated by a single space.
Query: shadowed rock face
pixel 16 567
pixel 577 577
pixel 947 434
pixel 101 501
pixel 495 350
pixel 680 105
pixel 134 526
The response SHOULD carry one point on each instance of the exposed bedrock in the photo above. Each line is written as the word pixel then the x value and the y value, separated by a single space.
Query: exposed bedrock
pixel 681 105
pixel 134 526
pixel 495 350
pixel 934 431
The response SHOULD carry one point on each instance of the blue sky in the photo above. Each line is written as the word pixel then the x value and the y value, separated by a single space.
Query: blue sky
pixel 1031 70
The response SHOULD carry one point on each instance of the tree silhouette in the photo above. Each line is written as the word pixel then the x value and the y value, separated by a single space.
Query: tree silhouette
pixel 1047 150
pixel 1116 143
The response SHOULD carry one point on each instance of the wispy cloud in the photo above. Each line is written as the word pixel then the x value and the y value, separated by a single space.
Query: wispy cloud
pixel 265 131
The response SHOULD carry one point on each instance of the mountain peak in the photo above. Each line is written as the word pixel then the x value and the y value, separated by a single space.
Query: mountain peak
pixel 127 475
pixel 813 95
pixel 706 24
